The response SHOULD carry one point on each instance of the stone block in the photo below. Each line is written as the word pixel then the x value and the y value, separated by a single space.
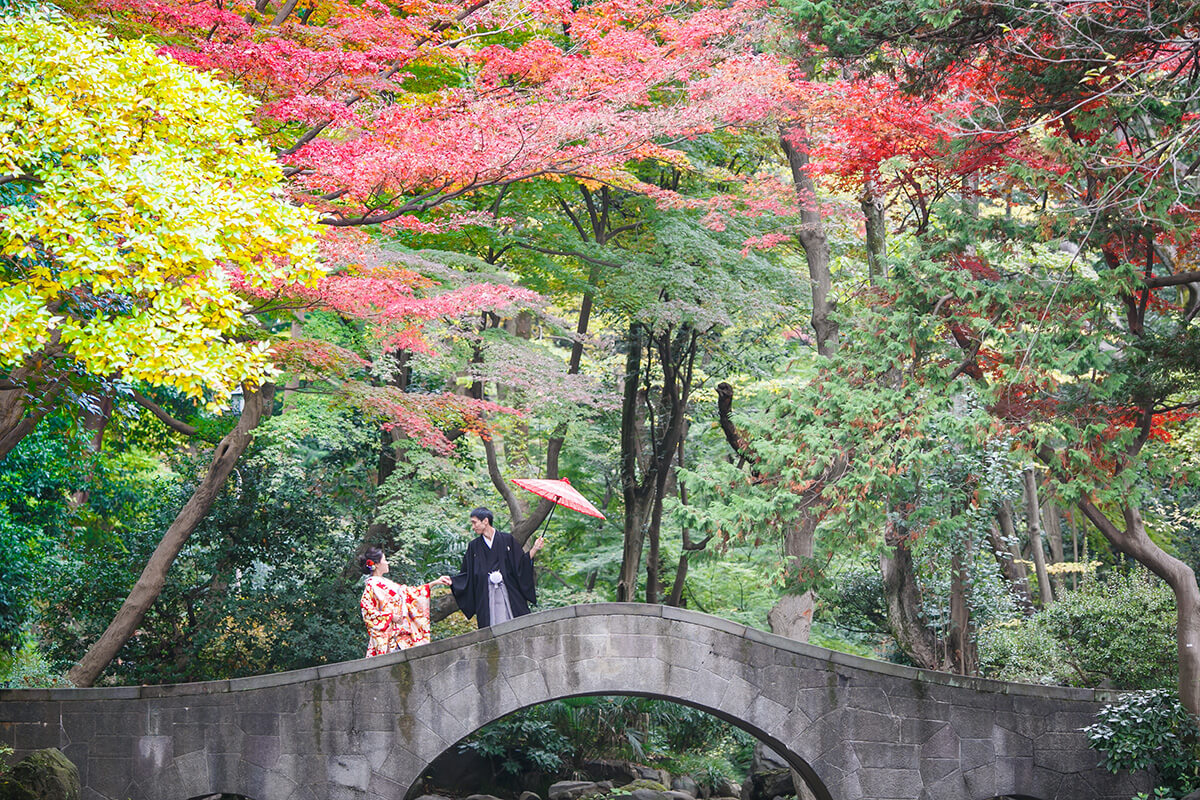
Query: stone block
pixel 217 714
pixel 618 609
pixel 739 695
pixel 350 771
pixel 151 755
pixel 192 769
pixel 890 784
pixel 274 679
pixel 867 726
pixel 1014 776
pixel 276 783
pixel 868 698
pixel 1065 761
pixel 1024 723
pixel 33 711
pixel 716 623
pixel 940 771
pixel 259 723
pixel 1071 721
pixel 976 752
pixel 109 777
pixel 972 723
pixel 261 750
pixel 1012 745
pixel 913 706
pixel 942 743
pixel 384 787
pixel 767 715
pixel 186 690
pixel 887 755
pixel 29 736
pixel 981 780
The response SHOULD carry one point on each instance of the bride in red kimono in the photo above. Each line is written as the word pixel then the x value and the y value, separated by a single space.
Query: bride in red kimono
pixel 397 616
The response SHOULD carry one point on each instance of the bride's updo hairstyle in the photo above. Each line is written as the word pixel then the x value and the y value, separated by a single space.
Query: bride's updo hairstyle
pixel 369 559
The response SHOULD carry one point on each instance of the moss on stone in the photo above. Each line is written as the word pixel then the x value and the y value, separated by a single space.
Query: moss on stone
pixel 643 783
pixel 42 775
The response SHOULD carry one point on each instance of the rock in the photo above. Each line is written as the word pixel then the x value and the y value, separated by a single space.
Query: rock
pixel 605 786
pixel 433 797
pixel 776 783
pixel 605 769
pixel 648 794
pixel 1193 796
pixel 766 760
pixel 526 795
pixel 684 783
pixel 42 775
pixel 723 787
pixel 770 776
pixel 652 774
pixel 644 783
pixel 573 790
pixel 457 773
pixel 482 797
pixel 675 794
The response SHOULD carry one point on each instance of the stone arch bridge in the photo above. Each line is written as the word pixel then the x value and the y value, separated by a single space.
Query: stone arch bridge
pixel 366 730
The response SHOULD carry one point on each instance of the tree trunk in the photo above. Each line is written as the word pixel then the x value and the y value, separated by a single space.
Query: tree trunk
pixel 1137 544
pixel 24 406
pixel 635 502
pixel 1004 545
pixel 792 614
pixel 1054 536
pixel 675 598
pixel 959 641
pixel 812 239
pixel 876 227
pixel 150 583
pixel 1035 538
pixel 654 556
pixel 904 608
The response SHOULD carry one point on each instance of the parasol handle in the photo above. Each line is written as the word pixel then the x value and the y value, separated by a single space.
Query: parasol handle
pixel 546 523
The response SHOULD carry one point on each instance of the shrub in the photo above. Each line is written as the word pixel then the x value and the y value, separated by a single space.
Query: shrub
pixel 1118 632
pixel 1151 731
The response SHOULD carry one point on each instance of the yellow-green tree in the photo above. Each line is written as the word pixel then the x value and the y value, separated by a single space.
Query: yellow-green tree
pixel 135 198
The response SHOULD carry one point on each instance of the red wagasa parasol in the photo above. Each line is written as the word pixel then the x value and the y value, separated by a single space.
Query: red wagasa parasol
pixel 561 493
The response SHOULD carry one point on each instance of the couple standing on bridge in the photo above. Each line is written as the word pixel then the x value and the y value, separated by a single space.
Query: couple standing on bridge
pixel 495 584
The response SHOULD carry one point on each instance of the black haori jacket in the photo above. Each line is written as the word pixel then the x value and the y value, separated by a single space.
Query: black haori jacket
pixel 470 586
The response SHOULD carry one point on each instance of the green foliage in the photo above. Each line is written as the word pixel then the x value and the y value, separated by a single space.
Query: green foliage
pixel 36 480
pixel 526 741
pixel 265 583
pixel 31 669
pixel 151 185
pixel 1119 631
pixel 1150 731
pixel 552 736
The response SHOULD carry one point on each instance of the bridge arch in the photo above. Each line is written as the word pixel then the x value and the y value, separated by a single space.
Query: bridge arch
pixel 368 729
pixel 794 760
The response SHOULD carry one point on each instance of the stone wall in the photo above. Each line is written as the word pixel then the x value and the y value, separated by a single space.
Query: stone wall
pixel 856 729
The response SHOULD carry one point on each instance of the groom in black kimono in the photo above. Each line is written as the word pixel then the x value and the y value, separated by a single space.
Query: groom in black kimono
pixel 496 582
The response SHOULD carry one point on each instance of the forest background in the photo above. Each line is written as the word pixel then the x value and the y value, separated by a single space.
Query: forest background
pixel 874 325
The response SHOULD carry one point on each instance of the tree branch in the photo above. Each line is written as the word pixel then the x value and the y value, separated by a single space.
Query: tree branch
pixel 1177 279
pixel 163 417
pixel 23 178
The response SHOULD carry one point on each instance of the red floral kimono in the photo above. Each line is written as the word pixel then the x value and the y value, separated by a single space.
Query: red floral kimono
pixel 397 616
